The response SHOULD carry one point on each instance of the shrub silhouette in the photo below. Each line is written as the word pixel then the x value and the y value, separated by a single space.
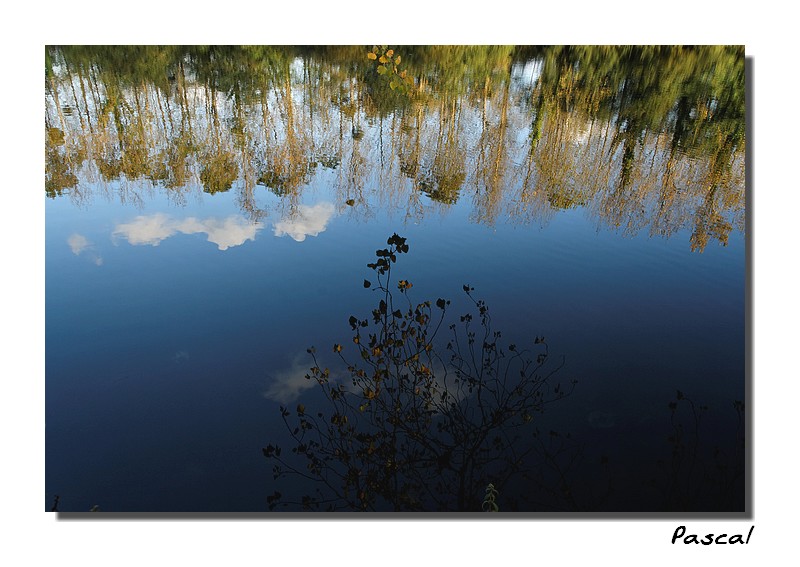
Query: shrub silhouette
pixel 425 422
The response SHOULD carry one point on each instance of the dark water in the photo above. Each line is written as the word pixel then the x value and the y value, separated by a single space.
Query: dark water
pixel 211 212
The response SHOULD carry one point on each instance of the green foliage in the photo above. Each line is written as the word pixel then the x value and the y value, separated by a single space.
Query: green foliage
pixel 420 424
pixel 490 499
pixel 388 66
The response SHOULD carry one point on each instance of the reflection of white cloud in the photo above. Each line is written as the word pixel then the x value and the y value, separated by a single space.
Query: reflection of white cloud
pixel 152 229
pixel 180 356
pixel 79 243
pixel 146 229
pixel 288 384
pixel 232 231
pixel 308 221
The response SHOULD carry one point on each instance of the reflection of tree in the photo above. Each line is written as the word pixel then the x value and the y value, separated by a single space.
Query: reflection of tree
pixel 426 422
pixel 422 427
pixel 58 165
pixel 219 167
pixel 492 155
pixel 636 136
pixel 435 161
pixel 61 158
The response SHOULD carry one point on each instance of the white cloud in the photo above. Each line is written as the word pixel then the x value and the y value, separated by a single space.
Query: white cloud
pixel 307 221
pixel 153 229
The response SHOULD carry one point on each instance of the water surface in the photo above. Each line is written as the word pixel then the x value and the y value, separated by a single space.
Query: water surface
pixel 211 211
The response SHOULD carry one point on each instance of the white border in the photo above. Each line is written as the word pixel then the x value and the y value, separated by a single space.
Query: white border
pixel 32 536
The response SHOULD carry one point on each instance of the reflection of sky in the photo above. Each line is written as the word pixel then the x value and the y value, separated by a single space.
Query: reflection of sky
pixel 288 384
pixel 152 229
pixel 79 244
pixel 307 221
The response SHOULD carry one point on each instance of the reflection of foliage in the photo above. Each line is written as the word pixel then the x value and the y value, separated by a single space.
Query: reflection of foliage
pixel 698 91
pixel 219 172
pixel 177 162
pixel 284 180
pixel 563 200
pixel 329 161
pixel 274 182
pixel 710 223
pixel 59 174
pixel 419 427
pixel 458 69
pixel 443 188
pixel 639 135
pixel 55 136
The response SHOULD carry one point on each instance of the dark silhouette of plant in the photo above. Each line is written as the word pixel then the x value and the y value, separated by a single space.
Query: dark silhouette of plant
pixel 700 475
pixel 423 424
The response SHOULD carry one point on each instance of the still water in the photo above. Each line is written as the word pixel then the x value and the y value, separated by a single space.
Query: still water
pixel 211 212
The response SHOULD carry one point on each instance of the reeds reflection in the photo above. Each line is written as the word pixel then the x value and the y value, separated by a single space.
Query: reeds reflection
pixel 641 139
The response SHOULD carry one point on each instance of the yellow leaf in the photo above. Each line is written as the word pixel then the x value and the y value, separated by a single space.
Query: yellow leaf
pixel 371 55
pixel 382 59
pixel 390 53
pixel 397 61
